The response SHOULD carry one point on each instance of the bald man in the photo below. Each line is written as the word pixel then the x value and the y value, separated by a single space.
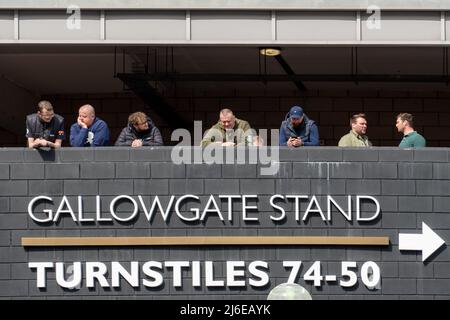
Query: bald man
pixel 89 131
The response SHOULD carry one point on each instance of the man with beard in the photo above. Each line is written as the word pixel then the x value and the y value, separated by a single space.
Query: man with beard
pixel 45 128
pixel 411 139
pixel 357 135
pixel 297 130
pixel 141 131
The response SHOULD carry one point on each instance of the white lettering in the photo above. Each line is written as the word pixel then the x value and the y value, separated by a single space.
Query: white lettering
pixel 49 212
pixel 156 202
pixel 177 273
pixel 196 274
pixel 246 207
pixel 80 211
pixel 295 265
pixel 155 275
pixel 297 205
pixel 209 276
pixel 358 208
pixel 283 212
pixel 194 210
pixel 189 208
pixel 215 208
pixel 64 202
pixel 263 276
pixel 313 202
pixel 230 204
pixel 98 210
pixel 41 276
pixel 232 273
pixel 96 270
pixel 131 277
pixel 74 280
pixel 347 216
pixel 113 205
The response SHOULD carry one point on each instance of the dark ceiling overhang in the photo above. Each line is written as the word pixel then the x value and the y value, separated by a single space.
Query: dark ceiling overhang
pixel 225 77
pixel 154 101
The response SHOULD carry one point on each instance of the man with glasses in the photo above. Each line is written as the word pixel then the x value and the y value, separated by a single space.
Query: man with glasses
pixel 45 128
pixel 357 135
pixel 141 131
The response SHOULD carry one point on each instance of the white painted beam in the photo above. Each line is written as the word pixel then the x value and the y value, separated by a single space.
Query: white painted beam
pixel 197 27
pixel 412 5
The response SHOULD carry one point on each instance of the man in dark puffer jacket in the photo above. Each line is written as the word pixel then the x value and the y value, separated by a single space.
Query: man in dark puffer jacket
pixel 141 131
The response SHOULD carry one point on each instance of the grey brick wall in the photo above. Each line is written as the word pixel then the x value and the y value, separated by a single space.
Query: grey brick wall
pixel 411 187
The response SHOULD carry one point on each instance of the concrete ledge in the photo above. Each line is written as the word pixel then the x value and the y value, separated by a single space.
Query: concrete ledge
pixel 163 154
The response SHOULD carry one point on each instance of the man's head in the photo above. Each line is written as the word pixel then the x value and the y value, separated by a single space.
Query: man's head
pixel 139 121
pixel 227 118
pixel 358 123
pixel 45 111
pixel 296 116
pixel 404 121
pixel 86 114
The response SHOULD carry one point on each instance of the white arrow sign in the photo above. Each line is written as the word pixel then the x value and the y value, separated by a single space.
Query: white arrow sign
pixel 427 242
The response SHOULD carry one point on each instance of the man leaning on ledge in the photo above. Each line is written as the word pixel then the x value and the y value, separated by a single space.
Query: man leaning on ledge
pixel 140 132
pixel 45 128
pixel 228 131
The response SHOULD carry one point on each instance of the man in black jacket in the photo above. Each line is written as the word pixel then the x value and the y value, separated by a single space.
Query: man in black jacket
pixel 45 129
pixel 141 131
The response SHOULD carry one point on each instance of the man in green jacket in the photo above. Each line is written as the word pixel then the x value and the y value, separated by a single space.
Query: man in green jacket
pixel 357 136
pixel 411 139
pixel 228 131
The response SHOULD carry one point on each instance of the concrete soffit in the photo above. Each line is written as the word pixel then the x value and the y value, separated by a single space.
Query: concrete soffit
pixel 422 5
pixel 226 22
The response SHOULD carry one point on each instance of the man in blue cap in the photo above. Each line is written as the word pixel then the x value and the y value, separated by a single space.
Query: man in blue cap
pixel 298 130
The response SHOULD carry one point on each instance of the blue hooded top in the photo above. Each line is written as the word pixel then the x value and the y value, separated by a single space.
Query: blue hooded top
pixel 96 135
pixel 307 131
